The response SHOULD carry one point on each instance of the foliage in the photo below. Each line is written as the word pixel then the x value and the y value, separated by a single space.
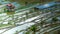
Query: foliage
pixel 54 19
pixel 33 28
pixel 16 32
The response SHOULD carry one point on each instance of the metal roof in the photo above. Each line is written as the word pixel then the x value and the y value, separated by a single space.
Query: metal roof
pixel 46 5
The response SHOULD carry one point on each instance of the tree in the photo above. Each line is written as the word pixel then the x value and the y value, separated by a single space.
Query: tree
pixel 16 32
pixel 41 23
pixel 26 3
pixel 32 30
pixel 54 19
pixel 28 32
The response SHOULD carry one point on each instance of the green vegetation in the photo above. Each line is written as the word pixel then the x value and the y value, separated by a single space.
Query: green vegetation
pixel 31 1
pixel 16 32
pixel 32 30
pixel 23 7
pixel 3 25
pixel 54 19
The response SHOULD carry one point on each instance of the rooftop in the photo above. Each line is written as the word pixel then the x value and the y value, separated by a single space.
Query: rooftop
pixel 46 5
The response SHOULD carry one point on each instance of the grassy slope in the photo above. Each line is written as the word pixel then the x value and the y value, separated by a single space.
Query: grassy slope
pixel 31 1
